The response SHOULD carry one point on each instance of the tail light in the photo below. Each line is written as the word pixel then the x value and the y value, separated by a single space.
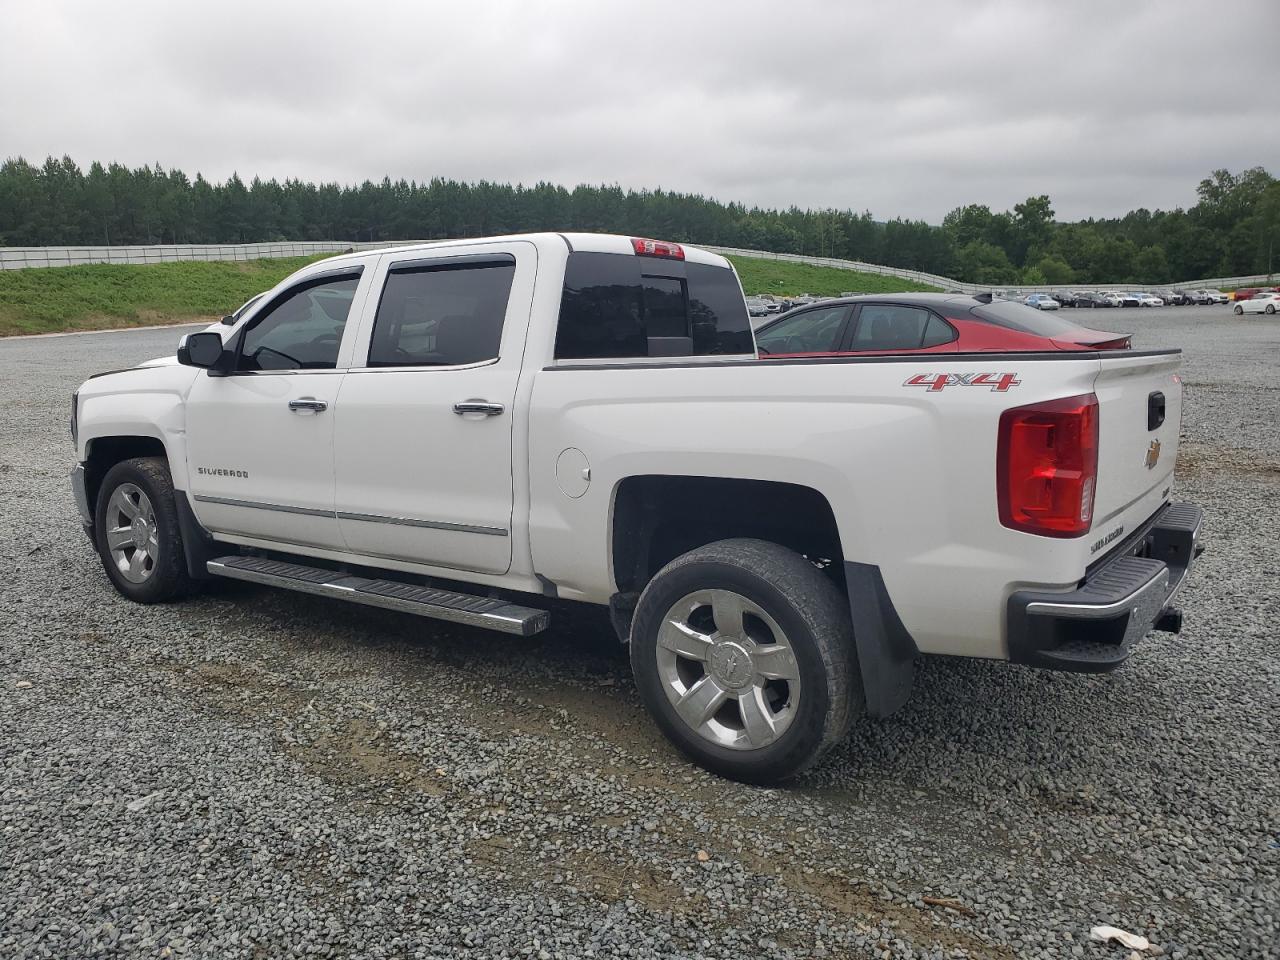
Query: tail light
pixel 1047 466
pixel 657 248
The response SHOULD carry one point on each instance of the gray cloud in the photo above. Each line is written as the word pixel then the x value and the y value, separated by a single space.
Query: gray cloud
pixel 906 109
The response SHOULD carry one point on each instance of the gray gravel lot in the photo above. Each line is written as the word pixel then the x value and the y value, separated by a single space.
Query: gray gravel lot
pixel 259 774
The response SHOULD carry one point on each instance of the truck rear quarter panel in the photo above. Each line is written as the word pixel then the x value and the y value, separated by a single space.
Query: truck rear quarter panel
pixel 909 470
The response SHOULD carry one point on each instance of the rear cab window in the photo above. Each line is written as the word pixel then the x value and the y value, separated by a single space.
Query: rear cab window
pixel 623 306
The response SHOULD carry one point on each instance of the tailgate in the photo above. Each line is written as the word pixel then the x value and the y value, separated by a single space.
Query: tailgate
pixel 1139 415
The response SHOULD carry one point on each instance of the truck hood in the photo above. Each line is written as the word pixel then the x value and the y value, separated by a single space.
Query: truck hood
pixel 168 361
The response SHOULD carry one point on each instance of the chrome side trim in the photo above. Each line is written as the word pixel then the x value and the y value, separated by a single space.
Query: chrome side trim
pixel 362 517
pixel 428 524
pixel 254 505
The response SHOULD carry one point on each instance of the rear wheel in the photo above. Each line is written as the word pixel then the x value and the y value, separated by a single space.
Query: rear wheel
pixel 743 653
pixel 137 534
pixel 1271 308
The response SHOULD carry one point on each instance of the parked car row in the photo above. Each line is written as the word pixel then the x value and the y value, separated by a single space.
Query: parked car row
pixel 1114 298
pixel 767 305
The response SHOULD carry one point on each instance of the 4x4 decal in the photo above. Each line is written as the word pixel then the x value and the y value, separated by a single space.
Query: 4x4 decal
pixel 998 382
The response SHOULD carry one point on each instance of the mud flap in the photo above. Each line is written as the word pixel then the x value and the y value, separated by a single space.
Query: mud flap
pixel 197 544
pixel 886 652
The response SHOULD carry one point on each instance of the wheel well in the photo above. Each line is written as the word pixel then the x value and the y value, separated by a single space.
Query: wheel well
pixel 103 453
pixel 658 518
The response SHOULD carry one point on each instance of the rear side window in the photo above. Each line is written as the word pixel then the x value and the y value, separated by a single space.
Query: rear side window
pixel 884 326
pixel 436 314
pixel 624 306
pixel 936 333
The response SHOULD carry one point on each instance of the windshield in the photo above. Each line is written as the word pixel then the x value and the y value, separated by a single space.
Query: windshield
pixel 245 306
pixel 1017 316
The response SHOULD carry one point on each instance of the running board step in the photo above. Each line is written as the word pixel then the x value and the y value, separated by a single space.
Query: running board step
pixel 406 597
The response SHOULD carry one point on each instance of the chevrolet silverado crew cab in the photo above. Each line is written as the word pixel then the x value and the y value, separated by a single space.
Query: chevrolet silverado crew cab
pixel 480 430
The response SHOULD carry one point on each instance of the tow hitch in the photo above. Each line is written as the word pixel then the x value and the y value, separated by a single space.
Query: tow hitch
pixel 1169 621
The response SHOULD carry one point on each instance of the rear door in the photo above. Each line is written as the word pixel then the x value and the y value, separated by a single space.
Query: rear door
pixel 1139 413
pixel 424 427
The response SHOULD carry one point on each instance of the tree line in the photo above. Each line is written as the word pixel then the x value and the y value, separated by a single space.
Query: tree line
pixel 1232 229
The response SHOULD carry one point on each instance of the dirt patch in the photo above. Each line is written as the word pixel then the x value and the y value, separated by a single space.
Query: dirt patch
pixel 597 876
pixel 859 902
pixel 353 751
pixel 1199 459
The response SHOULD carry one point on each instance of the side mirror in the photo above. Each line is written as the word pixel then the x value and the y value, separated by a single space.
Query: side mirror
pixel 229 320
pixel 200 350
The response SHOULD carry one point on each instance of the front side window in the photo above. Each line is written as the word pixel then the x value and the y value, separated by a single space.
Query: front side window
pixel 618 306
pixel 439 314
pixel 814 331
pixel 302 331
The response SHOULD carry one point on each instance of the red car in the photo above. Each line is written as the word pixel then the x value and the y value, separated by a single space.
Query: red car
pixel 1248 293
pixel 924 323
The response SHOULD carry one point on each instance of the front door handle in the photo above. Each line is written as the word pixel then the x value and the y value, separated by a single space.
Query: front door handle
pixel 308 403
pixel 478 406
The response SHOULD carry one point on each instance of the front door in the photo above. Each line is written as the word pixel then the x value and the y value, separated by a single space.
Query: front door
pixel 260 439
pixel 424 426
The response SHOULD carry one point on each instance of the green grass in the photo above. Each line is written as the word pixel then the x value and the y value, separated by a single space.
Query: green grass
pixel 107 296
pixel 104 296
pixel 784 278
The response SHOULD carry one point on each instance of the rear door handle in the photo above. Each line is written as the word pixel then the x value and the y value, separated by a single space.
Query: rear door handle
pixel 308 403
pixel 478 406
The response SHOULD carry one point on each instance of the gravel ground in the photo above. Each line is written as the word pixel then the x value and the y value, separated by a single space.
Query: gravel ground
pixel 260 774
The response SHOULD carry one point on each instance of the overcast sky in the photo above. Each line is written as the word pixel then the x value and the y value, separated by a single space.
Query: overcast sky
pixel 902 108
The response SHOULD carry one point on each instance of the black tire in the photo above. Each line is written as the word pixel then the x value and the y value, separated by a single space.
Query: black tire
pixel 814 616
pixel 1239 310
pixel 1270 308
pixel 167 577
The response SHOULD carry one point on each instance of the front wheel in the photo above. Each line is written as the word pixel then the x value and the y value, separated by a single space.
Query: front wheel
pixel 1239 310
pixel 136 531
pixel 743 652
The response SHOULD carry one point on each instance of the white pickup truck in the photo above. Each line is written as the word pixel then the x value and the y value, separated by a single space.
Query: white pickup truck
pixel 480 430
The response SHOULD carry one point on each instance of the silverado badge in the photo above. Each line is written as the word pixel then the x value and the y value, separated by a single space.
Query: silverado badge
pixel 1153 454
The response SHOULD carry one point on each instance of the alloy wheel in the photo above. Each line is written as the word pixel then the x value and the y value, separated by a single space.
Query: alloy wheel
pixel 728 669
pixel 133 536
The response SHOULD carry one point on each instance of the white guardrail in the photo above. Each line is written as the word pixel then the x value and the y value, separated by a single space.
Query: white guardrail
pixel 18 258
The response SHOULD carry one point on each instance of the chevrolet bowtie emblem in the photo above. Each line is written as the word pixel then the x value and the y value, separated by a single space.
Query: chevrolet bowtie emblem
pixel 1153 454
